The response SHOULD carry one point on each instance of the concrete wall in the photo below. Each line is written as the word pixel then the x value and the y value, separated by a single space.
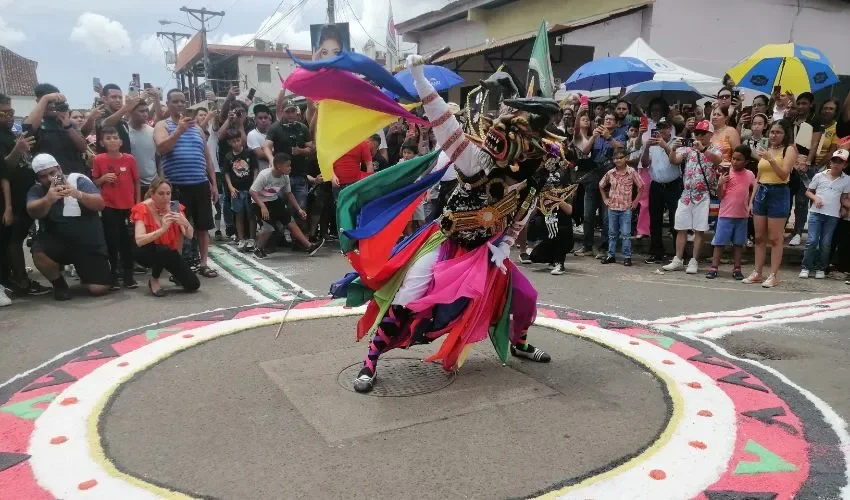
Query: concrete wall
pixel 458 35
pixel 736 28
pixel 23 105
pixel 266 91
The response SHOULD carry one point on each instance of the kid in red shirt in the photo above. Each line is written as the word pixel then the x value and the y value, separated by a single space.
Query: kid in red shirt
pixel 116 175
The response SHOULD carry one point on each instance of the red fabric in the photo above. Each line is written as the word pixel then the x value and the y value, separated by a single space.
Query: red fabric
pixel 347 168
pixel 375 251
pixel 120 195
pixel 142 212
pixel 395 262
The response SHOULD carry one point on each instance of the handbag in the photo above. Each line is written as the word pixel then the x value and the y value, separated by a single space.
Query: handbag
pixel 713 199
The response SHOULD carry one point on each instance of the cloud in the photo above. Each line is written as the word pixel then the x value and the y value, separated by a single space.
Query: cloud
pixel 9 35
pixel 99 33
pixel 278 28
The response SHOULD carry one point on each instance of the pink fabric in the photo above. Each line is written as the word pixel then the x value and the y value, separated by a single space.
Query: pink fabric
pixel 465 276
pixel 643 218
pixel 736 197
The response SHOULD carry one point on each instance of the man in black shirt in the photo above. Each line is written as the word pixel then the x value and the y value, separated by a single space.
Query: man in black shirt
pixel 116 109
pixel 291 136
pixel 16 179
pixel 55 134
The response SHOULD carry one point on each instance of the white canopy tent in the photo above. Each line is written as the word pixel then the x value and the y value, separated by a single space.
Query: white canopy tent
pixel 665 70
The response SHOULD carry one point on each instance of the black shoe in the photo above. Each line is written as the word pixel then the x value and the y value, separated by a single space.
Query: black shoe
pixel 530 352
pixel 260 253
pixel 116 284
pixel 609 260
pixel 654 259
pixel 140 269
pixel 627 262
pixel 218 236
pixel 36 289
pixel 315 247
pixel 365 380
pixel 524 258
pixel 62 294
pixel 130 281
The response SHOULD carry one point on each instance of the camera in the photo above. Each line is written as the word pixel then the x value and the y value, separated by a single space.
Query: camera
pixel 688 142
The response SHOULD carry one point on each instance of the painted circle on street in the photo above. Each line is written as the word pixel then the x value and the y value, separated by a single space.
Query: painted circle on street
pixel 738 429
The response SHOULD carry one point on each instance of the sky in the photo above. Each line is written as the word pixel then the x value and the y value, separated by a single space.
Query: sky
pixel 75 40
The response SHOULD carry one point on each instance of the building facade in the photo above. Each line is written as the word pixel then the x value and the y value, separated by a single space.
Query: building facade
pixel 18 80
pixel 708 37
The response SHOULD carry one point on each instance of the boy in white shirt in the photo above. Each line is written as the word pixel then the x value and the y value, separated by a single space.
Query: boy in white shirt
pixel 828 191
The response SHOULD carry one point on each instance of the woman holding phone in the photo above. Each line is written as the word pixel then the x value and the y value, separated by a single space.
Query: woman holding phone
pixel 772 201
pixel 160 227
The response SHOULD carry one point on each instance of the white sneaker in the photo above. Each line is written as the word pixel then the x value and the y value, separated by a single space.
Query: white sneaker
pixel 693 267
pixel 795 241
pixel 249 246
pixel 770 282
pixel 677 265
pixel 558 270
pixel 4 299
pixel 804 274
pixel 819 275
pixel 241 245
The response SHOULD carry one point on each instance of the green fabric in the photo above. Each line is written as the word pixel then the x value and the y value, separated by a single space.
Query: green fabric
pixel 353 198
pixel 500 334
pixel 357 294
pixel 540 65
pixel 385 295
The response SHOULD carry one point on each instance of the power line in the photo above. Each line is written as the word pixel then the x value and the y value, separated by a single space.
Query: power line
pixel 379 44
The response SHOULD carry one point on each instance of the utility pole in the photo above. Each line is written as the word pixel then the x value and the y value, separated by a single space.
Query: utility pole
pixel 203 15
pixel 174 37
pixel 331 11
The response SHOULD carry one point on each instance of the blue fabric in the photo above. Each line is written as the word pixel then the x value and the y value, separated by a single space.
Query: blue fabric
pixel 821 230
pixel 730 231
pixel 645 92
pixel 242 203
pixel 772 201
pixel 766 74
pixel 186 164
pixel 609 73
pixel 362 65
pixel 441 79
pixel 620 227
pixel 379 212
pixel 339 289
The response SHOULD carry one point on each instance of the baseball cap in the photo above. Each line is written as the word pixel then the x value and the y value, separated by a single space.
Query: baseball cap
pixel 663 123
pixel 704 126
pixel 43 161
pixel 841 153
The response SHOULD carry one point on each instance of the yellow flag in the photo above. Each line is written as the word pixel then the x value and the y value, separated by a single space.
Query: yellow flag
pixel 341 126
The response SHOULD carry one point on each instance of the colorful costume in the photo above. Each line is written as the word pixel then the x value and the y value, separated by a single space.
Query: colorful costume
pixel 453 277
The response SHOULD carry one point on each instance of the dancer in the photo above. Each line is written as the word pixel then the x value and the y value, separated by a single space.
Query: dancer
pixel 454 277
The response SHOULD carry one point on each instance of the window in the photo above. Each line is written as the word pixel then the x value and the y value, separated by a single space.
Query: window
pixel 264 73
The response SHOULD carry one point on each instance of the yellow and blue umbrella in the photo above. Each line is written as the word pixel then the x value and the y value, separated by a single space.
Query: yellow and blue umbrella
pixel 796 68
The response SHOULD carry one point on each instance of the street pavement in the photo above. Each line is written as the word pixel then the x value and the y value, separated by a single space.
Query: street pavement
pixel 251 416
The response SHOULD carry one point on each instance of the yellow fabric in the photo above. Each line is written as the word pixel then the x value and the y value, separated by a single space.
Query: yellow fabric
pixel 341 126
pixel 793 77
pixel 827 141
pixel 766 173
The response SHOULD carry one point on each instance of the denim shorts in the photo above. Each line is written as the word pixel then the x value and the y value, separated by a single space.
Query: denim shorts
pixel 772 201
pixel 242 203
pixel 730 231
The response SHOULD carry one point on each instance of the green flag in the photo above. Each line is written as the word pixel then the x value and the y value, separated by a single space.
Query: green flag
pixel 540 65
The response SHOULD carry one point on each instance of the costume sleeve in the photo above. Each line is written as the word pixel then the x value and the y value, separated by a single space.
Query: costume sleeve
pixel 447 130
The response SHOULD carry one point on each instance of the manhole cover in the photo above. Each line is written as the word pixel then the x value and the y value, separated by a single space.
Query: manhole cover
pixel 400 377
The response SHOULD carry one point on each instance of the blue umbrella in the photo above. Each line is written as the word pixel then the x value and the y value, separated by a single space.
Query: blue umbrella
pixel 441 78
pixel 645 92
pixel 609 73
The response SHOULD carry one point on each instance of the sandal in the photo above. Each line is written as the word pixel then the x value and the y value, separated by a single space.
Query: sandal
pixel 207 272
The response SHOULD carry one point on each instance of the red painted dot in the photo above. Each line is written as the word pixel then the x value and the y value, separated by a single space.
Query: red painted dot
pixel 188 336
pixel 698 445
pixel 123 364
pixel 265 317
pixel 705 413
pixel 657 474
pixel 694 385
pixel 634 342
pixel 668 362
pixel 58 440
pixel 581 327
pixel 258 278
pixel 69 401
pixel 87 485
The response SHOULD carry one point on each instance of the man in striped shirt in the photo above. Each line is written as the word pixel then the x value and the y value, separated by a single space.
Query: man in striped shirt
pixel 187 165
